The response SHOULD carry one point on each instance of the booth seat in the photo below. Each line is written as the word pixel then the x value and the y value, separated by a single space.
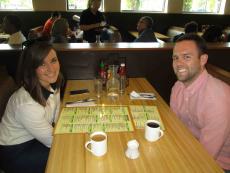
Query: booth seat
pixel 174 30
pixel 7 87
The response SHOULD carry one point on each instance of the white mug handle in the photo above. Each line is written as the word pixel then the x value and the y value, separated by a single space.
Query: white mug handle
pixel 86 145
pixel 161 133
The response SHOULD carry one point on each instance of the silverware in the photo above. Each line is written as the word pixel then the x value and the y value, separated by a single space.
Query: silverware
pixel 142 95
pixel 81 101
pixel 146 95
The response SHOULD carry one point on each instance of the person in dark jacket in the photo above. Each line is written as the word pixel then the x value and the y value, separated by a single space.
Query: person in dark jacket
pixel 144 28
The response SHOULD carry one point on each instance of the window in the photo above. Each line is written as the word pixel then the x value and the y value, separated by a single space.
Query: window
pixel 143 5
pixel 77 4
pixel 80 5
pixel 16 5
pixel 204 6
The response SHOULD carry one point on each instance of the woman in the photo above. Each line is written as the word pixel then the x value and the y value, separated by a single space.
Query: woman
pixel 26 127
pixel 91 21
pixel 49 23
pixel 59 31
pixel 12 26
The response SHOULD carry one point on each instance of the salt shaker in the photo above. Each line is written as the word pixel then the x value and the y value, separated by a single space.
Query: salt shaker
pixel 132 151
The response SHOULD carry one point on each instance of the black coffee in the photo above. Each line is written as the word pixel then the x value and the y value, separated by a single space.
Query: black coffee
pixel 153 125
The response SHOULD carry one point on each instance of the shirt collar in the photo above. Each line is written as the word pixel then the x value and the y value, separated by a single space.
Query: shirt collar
pixel 193 87
pixel 46 93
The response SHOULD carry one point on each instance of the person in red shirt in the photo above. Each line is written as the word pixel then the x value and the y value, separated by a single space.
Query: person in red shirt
pixel 49 23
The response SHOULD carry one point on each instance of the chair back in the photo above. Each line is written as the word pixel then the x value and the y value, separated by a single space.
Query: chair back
pixel 7 87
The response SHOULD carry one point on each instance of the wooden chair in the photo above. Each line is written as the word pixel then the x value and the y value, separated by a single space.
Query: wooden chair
pixel 174 30
pixel 35 32
pixel 7 87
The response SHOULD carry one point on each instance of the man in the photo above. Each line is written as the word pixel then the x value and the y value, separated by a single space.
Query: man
pixel 12 26
pixel 190 27
pixel 92 21
pixel 144 28
pixel 201 101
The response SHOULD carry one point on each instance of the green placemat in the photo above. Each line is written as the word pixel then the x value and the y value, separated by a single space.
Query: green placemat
pixel 143 113
pixel 94 118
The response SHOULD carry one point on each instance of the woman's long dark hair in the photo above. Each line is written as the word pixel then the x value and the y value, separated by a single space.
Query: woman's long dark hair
pixel 31 58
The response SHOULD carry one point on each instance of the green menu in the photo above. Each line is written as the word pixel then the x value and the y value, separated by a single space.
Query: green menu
pixel 94 118
pixel 142 113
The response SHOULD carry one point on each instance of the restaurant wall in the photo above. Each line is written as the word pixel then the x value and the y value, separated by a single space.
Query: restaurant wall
pixel 49 5
pixel 112 6
pixel 175 7
pixel 161 21
pixel 227 7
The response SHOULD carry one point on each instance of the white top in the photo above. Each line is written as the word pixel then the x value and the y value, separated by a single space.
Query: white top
pixel 25 119
pixel 16 38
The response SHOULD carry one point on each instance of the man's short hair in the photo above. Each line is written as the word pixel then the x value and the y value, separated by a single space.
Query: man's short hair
pixel 149 21
pixel 14 20
pixel 199 41
pixel 191 27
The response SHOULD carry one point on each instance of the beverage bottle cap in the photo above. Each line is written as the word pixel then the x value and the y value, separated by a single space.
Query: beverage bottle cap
pixel 102 64
pixel 122 69
pixel 122 64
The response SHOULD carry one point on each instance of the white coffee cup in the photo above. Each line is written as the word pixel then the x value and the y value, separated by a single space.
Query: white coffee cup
pixel 152 130
pixel 98 143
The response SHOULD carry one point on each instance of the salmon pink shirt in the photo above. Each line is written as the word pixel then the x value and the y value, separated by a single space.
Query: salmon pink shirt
pixel 204 107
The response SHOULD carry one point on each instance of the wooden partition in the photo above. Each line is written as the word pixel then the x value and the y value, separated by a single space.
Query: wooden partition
pixel 150 60
pixel 219 73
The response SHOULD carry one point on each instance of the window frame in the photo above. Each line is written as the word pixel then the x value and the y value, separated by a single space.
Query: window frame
pixel 206 12
pixel 32 9
pixel 164 10
pixel 102 9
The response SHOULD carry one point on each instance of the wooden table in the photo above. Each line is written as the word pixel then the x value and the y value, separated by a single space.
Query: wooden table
pixel 176 152
pixel 158 35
